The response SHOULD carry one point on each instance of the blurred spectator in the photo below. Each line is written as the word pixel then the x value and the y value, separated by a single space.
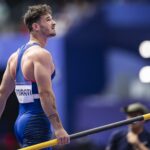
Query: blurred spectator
pixel 4 14
pixel 136 137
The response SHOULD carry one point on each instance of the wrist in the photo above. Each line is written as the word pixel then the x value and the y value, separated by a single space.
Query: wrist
pixel 59 129
pixel 55 121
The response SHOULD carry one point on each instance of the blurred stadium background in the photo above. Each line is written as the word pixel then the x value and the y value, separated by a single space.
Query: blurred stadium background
pixel 102 58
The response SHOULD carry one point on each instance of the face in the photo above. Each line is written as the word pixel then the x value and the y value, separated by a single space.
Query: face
pixel 47 25
pixel 137 124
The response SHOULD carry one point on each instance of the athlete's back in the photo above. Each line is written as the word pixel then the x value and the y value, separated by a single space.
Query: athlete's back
pixel 32 125
pixel 27 61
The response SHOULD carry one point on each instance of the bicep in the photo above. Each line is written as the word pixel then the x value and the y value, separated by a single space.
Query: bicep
pixel 7 84
pixel 42 77
pixel 42 72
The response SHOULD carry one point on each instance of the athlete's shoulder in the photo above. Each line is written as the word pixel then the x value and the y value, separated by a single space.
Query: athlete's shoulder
pixel 40 54
pixel 13 56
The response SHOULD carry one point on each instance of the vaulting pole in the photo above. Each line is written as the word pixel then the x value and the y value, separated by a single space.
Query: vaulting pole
pixel 54 142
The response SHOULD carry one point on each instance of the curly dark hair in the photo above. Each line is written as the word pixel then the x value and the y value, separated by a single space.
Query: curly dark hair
pixel 34 13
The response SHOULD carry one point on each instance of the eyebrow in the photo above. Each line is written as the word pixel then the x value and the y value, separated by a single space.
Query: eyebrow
pixel 48 17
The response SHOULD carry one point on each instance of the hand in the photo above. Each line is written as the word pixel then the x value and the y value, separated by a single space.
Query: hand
pixel 132 138
pixel 62 136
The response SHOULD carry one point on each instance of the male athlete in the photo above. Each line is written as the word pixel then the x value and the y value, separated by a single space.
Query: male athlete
pixel 30 70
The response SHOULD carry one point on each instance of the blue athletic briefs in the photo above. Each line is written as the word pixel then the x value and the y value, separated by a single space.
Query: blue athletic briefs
pixel 32 126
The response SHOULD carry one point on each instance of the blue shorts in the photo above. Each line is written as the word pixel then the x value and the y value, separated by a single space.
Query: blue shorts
pixel 32 129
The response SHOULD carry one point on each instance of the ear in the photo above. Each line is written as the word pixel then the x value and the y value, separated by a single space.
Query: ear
pixel 35 26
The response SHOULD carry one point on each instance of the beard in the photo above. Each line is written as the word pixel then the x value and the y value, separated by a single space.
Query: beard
pixel 48 32
pixel 52 34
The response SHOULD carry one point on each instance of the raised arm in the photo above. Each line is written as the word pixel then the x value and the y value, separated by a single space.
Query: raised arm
pixel 42 71
pixel 6 88
pixel 134 140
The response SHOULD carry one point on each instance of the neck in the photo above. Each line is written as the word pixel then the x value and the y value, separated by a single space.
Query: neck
pixel 38 39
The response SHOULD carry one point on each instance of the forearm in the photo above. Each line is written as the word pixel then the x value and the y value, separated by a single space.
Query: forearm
pixel 49 107
pixel 6 88
pixel 2 102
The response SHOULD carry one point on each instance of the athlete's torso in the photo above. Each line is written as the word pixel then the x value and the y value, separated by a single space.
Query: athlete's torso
pixel 21 69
